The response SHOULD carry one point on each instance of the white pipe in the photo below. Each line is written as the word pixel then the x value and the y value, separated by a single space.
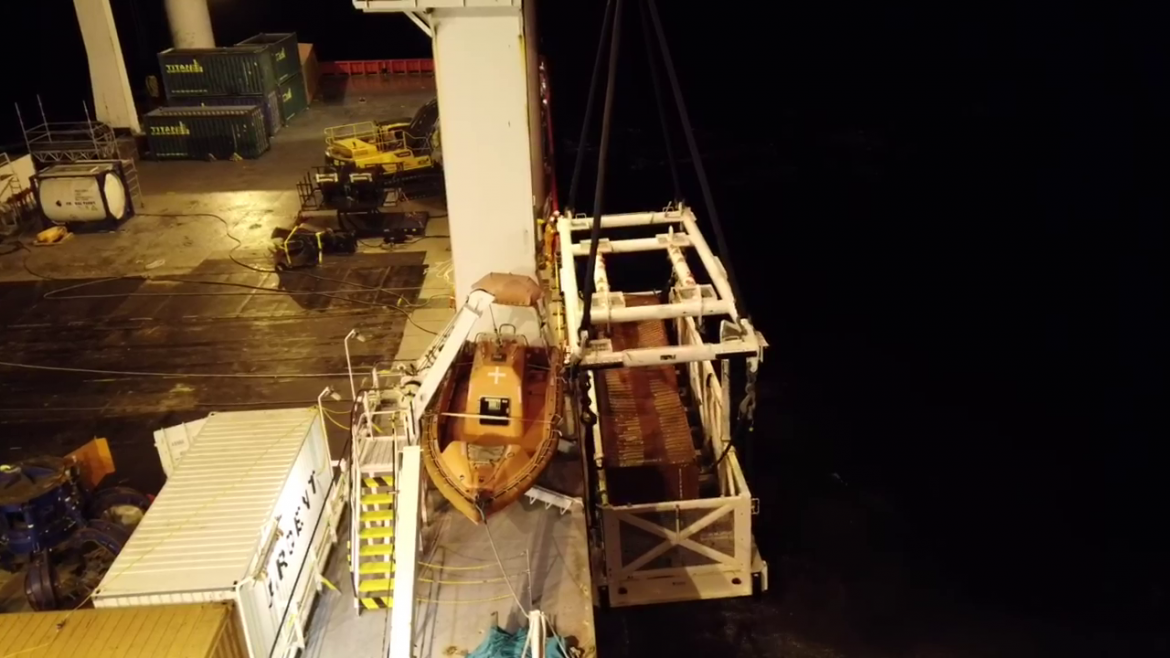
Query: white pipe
pixel 601 288
pixel 537 635
pixel 598 444
pixel 600 277
pixel 682 271
pixel 569 286
pixel 349 365
pixel 710 262
pixel 627 220
pixel 190 22
pixel 691 309
pixel 657 356
pixel 606 246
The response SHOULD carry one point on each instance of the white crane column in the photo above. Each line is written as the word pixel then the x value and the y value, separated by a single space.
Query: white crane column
pixel 481 72
pixel 190 22
pixel 486 73
pixel 113 104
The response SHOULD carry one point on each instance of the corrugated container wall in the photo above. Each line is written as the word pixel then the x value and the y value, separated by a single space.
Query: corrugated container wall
pixel 293 97
pixel 209 630
pixel 241 518
pixel 201 133
pixel 239 71
pixel 273 119
pixel 283 48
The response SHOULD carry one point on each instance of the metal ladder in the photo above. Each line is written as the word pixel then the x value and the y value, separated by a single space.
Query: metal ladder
pixel 11 201
pixel 378 438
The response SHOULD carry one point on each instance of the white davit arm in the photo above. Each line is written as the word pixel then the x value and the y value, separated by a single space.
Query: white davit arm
pixel 433 367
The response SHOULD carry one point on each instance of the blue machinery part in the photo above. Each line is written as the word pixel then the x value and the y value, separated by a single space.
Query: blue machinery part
pixel 66 536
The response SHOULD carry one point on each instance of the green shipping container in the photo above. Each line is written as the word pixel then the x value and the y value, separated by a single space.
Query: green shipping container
pixel 203 133
pixel 282 46
pixel 293 97
pixel 237 71
pixel 271 104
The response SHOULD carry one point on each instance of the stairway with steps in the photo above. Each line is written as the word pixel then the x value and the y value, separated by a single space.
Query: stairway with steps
pixel 378 437
pixel 374 534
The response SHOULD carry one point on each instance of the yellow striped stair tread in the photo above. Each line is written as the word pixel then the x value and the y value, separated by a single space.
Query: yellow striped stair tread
pixel 378 499
pixel 376 602
pixel 381 532
pixel 378 515
pixel 376 585
pixel 372 550
pixel 381 567
pixel 375 482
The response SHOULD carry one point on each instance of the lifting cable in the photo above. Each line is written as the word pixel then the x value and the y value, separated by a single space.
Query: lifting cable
pixel 653 65
pixel 578 165
pixel 649 10
pixel 700 171
pixel 650 18
pixel 744 422
pixel 615 40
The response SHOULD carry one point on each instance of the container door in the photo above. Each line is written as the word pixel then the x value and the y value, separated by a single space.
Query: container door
pixel 292 97
pixel 173 442
pixel 255 605
pixel 299 514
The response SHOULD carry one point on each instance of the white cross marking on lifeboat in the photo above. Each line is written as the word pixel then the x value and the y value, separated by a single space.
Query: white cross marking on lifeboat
pixel 497 375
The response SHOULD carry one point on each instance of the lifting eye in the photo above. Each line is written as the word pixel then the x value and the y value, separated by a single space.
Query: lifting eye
pixel 494 411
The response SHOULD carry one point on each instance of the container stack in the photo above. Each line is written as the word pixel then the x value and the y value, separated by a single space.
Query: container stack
pixel 221 132
pixel 286 62
pixel 211 94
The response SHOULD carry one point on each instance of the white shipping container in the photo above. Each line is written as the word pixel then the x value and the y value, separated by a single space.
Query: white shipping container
pixel 173 442
pixel 248 515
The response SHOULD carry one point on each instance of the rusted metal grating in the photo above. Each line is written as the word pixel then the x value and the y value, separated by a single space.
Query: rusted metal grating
pixel 643 421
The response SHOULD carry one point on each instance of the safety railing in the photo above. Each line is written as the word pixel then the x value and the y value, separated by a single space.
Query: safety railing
pixel 379 67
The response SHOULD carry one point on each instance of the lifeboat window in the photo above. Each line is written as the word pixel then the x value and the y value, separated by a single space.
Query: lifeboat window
pixel 494 411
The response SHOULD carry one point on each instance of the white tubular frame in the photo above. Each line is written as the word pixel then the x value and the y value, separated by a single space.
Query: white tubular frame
pixel 694 558
pixel 689 299
pixel 627 220
pixel 571 296
pixel 682 271
pixel 600 356
pixel 701 548
pixel 710 261
pixel 606 312
pixel 601 281
pixel 607 246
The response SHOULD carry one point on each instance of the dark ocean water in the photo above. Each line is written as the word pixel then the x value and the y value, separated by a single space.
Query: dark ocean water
pixel 946 220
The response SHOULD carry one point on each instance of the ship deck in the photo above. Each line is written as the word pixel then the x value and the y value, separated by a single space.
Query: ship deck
pixel 226 352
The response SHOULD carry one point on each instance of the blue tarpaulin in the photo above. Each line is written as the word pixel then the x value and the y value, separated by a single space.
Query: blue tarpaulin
pixel 502 644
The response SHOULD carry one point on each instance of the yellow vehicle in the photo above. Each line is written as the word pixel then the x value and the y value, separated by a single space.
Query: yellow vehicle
pixel 395 146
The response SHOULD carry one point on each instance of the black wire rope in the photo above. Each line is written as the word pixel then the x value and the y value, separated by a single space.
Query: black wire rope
pixel 700 171
pixel 580 161
pixel 603 154
pixel 648 38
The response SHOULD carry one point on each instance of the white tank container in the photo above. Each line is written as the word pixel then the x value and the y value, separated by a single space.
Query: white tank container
pixel 82 192
pixel 247 515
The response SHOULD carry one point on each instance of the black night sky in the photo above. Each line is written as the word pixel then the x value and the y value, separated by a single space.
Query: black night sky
pixel 948 221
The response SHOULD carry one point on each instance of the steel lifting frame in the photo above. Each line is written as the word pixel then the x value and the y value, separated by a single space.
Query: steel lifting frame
pixel 689 299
